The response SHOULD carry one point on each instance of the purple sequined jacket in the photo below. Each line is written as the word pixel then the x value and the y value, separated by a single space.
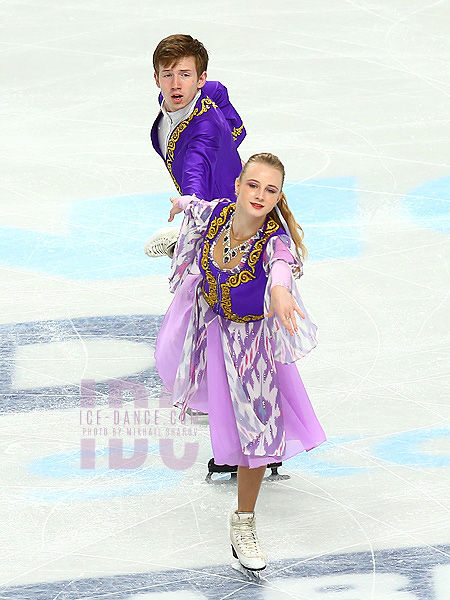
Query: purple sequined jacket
pixel 202 155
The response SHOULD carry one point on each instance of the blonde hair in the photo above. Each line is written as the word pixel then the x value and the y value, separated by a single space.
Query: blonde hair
pixel 295 230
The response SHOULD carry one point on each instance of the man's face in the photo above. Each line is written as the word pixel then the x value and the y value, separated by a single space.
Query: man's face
pixel 179 83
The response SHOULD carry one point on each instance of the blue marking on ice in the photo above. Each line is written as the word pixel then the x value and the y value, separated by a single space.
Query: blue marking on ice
pixel 112 483
pixel 311 462
pixel 106 236
pixel 406 448
pixel 134 328
pixel 414 573
pixel 429 205
pixel 105 240
pixel 327 211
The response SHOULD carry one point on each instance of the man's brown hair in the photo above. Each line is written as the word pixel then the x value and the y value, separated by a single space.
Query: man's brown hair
pixel 175 47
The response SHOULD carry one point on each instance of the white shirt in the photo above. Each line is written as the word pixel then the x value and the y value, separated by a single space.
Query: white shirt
pixel 171 120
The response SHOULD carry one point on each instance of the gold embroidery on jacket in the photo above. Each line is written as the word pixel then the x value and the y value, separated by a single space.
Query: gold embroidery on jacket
pixel 237 132
pixel 206 104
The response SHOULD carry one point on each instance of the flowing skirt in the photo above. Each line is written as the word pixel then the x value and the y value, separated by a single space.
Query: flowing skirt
pixel 302 428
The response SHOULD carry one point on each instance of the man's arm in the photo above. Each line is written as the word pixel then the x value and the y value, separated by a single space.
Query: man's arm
pixel 219 94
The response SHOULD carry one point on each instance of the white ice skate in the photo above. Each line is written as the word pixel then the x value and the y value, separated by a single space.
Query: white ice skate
pixel 245 544
pixel 162 243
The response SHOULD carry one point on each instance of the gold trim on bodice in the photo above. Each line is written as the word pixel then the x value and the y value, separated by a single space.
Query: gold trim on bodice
pixel 236 279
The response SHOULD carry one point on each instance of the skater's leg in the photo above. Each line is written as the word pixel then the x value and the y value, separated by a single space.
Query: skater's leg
pixel 162 242
pixel 244 540
pixel 249 483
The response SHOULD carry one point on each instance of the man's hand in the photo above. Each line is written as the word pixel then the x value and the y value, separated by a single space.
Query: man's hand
pixel 282 302
pixel 175 210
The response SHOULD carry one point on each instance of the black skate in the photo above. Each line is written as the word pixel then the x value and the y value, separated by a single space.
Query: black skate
pixel 222 470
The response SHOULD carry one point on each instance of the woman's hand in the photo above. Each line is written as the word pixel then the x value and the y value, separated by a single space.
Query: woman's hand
pixel 282 302
pixel 175 210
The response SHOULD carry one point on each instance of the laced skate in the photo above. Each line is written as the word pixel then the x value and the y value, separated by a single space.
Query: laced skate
pixel 245 544
pixel 162 243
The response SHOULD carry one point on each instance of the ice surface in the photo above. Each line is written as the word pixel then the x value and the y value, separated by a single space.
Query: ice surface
pixel 354 98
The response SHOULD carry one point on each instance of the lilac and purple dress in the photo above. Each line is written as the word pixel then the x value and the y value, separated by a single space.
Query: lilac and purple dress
pixel 217 353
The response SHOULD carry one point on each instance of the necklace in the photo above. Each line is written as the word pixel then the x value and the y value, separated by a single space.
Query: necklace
pixel 228 252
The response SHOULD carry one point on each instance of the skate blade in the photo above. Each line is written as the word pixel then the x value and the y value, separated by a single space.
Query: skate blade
pixel 221 478
pixel 254 576
pixel 276 477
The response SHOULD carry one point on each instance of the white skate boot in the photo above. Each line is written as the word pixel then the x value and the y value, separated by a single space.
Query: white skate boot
pixel 162 243
pixel 245 544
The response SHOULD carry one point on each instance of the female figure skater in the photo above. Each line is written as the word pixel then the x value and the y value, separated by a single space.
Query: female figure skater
pixel 230 338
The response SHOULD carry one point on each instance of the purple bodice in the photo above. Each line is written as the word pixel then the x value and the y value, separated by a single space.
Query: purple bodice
pixel 236 294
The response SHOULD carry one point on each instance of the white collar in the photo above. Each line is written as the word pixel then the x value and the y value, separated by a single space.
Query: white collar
pixel 177 116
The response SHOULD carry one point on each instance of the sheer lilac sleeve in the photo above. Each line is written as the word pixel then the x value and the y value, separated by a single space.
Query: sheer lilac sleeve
pixel 193 227
pixel 183 201
pixel 279 261
pixel 281 274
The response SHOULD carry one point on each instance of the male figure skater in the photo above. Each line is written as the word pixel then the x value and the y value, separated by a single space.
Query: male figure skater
pixel 197 131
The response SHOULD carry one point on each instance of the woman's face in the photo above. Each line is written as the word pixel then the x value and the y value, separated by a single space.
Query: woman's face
pixel 259 189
